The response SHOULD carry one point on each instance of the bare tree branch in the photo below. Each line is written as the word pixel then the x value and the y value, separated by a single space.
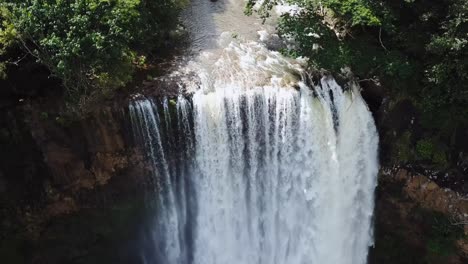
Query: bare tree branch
pixel 380 39
pixel 460 223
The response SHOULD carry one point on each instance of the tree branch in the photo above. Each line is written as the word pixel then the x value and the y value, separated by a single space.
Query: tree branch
pixel 380 39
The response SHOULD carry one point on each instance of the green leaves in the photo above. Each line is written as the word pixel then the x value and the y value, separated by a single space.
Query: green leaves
pixel 416 50
pixel 90 44
pixel 7 37
pixel 7 29
pixel 358 12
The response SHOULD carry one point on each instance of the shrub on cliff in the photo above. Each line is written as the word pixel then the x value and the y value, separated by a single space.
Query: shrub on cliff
pixel 93 46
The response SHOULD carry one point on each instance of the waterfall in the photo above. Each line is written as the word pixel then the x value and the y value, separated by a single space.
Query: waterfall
pixel 260 165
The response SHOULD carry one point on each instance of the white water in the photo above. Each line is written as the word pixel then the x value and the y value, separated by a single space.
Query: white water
pixel 258 167
pixel 277 175
pixel 206 20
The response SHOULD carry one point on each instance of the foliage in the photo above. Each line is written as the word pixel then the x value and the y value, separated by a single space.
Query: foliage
pixel 7 39
pixel 408 233
pixel 402 151
pixel 435 230
pixel 335 34
pixel 427 150
pixel 357 12
pixel 446 89
pixel 415 49
pixel 442 234
pixel 92 45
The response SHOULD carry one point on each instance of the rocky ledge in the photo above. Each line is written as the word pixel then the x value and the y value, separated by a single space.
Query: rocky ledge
pixel 417 221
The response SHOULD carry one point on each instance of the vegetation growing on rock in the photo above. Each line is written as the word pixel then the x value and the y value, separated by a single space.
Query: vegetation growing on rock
pixel 417 222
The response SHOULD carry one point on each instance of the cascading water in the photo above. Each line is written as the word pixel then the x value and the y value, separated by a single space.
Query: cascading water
pixel 258 167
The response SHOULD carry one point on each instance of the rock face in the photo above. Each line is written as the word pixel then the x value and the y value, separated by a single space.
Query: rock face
pixel 53 173
pixel 418 222
pixel 421 214
pixel 433 197
pixel 74 192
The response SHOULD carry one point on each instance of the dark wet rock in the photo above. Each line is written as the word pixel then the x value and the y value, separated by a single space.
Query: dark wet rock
pixel 373 93
pixel 3 185
pixel 78 178
pixel 39 82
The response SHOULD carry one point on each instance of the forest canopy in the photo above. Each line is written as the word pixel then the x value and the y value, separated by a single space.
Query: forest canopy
pixel 93 46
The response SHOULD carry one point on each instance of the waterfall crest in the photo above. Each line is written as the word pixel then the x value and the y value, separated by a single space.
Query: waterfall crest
pixel 259 166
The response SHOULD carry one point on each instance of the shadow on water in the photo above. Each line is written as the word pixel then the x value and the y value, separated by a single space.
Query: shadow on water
pixel 199 18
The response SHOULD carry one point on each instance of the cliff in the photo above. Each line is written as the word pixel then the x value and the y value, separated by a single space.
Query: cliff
pixel 74 191
pixel 66 187
pixel 421 209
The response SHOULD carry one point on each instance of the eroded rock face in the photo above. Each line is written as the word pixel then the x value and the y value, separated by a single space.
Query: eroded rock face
pixel 417 221
pixel 52 175
pixel 431 196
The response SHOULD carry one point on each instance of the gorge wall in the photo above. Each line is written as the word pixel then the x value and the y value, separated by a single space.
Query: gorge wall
pixel 66 185
pixel 70 190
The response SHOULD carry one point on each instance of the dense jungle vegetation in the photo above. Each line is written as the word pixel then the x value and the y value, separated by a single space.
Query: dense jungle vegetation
pixel 417 50
pixel 92 46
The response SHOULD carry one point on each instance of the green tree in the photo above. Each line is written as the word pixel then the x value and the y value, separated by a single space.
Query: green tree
pixel 415 50
pixel 92 45
pixel 7 39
